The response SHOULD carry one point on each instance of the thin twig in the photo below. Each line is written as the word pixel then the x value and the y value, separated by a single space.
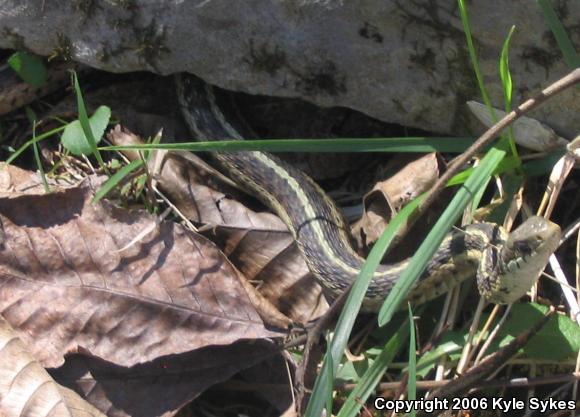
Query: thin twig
pixel 562 84
pixel 497 383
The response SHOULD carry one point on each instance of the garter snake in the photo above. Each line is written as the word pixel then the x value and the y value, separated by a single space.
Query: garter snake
pixel 506 265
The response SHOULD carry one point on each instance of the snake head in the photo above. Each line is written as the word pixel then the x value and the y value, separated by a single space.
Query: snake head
pixel 536 236
pixel 522 258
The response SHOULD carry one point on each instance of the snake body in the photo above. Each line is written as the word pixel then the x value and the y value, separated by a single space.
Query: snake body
pixel 506 265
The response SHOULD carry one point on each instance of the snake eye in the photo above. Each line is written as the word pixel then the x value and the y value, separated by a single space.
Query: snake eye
pixel 522 247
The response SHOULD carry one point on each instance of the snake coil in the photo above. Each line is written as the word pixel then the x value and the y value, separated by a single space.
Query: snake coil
pixel 506 265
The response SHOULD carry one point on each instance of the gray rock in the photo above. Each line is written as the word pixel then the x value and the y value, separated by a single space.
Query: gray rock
pixel 399 61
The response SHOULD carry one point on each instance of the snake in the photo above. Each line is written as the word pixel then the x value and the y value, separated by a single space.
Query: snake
pixel 505 264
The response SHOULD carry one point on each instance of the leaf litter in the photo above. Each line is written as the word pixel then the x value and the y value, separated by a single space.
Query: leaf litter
pixel 169 306
pixel 257 243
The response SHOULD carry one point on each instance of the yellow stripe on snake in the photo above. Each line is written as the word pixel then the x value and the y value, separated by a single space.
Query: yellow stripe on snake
pixel 506 265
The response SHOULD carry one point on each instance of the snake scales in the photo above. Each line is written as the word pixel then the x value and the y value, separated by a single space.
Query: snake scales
pixel 506 265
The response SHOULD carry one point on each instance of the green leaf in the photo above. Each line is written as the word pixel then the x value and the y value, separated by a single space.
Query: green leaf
pixel 449 343
pixel 29 67
pixel 506 81
pixel 74 139
pixel 506 165
pixel 30 115
pixel 558 339
pixel 352 371
pixel 116 179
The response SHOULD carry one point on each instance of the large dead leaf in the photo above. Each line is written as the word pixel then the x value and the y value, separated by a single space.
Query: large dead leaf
pixel 160 387
pixel 26 389
pixel 258 243
pixel 65 287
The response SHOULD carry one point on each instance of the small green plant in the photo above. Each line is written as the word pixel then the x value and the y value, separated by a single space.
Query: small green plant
pixel 74 138
pixel 89 140
pixel 29 67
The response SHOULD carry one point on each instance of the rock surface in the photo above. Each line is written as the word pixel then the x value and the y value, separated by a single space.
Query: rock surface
pixel 401 62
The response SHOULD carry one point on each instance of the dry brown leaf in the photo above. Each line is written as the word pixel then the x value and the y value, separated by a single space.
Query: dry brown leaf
pixel 26 389
pixel 160 387
pixel 65 287
pixel 16 180
pixel 387 197
pixel 259 244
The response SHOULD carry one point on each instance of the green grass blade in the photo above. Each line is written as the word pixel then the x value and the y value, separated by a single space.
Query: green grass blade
pixel 116 178
pixel 506 81
pixel 478 179
pixel 373 375
pixel 84 120
pixel 329 381
pixel 405 144
pixel 412 382
pixel 476 68
pixel 507 164
pixel 504 71
pixel 477 197
pixel 473 57
pixel 32 141
pixel 351 308
pixel 570 55
pixel 37 158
